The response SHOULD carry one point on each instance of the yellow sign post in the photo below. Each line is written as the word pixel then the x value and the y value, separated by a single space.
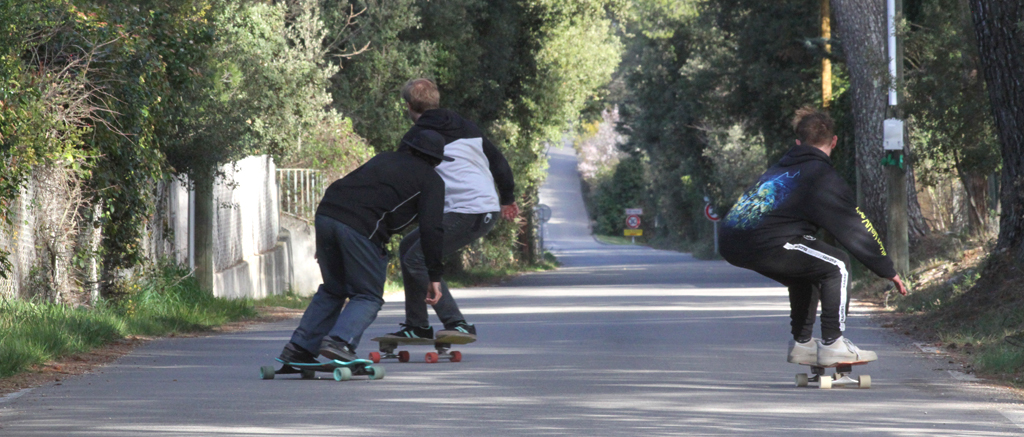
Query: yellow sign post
pixel 633 232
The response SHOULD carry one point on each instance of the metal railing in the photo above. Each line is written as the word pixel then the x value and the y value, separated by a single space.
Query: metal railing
pixel 300 191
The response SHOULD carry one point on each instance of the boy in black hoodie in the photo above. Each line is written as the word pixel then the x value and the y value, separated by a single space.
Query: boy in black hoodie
pixel 770 230
pixel 355 218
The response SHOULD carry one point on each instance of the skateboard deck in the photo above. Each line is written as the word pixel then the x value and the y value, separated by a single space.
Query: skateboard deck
pixel 342 370
pixel 388 345
pixel 841 378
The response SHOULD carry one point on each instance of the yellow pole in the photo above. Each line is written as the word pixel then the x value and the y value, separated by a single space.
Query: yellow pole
pixel 826 64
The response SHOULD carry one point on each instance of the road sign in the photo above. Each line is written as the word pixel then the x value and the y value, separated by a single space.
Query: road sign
pixel 633 221
pixel 709 212
pixel 633 232
pixel 543 213
pixel 634 211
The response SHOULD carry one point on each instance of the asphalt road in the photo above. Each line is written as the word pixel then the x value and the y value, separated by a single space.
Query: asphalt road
pixel 620 341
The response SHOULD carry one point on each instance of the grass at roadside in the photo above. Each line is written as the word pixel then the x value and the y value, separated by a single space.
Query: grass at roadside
pixel 954 305
pixel 483 276
pixel 620 240
pixel 287 300
pixel 163 301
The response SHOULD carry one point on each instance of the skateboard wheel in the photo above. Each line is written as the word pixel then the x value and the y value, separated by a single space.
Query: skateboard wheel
pixel 308 374
pixel 342 374
pixel 864 381
pixel 825 381
pixel 801 380
pixel 431 357
pixel 375 357
pixel 267 372
pixel 456 356
pixel 376 372
pixel 403 356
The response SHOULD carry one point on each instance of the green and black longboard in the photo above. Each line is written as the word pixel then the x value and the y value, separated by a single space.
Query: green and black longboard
pixel 342 370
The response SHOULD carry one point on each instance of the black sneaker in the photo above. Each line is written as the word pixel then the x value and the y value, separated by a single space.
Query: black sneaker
pixel 412 332
pixel 458 329
pixel 337 349
pixel 294 353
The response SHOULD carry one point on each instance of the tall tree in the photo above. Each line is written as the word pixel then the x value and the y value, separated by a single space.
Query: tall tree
pixel 861 28
pixel 999 27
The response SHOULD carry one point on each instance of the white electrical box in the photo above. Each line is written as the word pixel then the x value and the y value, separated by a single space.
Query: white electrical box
pixel 892 138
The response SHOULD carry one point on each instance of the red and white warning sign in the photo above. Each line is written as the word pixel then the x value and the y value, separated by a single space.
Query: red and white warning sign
pixel 709 212
pixel 633 221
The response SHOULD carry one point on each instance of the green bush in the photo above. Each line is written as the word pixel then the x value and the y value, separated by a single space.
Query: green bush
pixel 611 197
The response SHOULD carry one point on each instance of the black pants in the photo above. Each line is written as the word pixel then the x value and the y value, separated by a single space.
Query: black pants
pixel 813 271
pixel 459 231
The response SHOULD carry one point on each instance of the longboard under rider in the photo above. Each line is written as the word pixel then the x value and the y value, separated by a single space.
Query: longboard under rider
pixel 841 377
pixel 342 370
pixel 388 345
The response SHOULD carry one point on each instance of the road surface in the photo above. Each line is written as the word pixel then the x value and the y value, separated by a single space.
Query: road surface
pixel 619 341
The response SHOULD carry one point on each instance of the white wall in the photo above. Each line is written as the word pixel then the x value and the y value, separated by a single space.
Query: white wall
pixel 301 240
pixel 257 252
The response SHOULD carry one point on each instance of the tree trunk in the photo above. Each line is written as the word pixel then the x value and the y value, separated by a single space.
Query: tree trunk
pixel 917 226
pixel 975 185
pixel 205 215
pixel 860 25
pixel 976 190
pixel 998 28
pixel 528 239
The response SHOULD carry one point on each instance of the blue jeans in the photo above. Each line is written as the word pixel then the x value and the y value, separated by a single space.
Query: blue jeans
pixel 353 268
pixel 459 231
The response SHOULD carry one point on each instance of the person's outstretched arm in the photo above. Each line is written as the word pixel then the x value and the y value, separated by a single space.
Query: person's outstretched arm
pixel 833 207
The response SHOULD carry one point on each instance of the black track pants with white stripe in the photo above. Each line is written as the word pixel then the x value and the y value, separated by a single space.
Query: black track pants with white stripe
pixel 813 271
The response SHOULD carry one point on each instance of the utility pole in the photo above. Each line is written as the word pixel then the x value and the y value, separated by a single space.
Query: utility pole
pixel 826 63
pixel 897 239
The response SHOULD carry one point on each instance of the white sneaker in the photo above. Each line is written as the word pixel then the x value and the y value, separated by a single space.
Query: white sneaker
pixel 843 351
pixel 803 353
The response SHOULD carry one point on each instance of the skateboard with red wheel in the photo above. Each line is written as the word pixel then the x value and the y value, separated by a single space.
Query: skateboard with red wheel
pixel 841 378
pixel 388 345
pixel 342 370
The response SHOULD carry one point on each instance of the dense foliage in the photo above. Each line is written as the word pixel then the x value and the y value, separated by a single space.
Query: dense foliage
pixel 709 89
pixel 954 130
pixel 117 96
pixel 522 70
pixel 114 97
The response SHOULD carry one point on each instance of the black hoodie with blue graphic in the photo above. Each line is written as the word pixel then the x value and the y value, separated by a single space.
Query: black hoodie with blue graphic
pixel 797 196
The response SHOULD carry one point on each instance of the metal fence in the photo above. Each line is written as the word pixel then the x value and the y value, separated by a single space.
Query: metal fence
pixel 301 190
pixel 19 241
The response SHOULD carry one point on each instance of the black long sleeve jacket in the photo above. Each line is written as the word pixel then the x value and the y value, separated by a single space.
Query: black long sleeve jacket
pixel 796 197
pixel 387 194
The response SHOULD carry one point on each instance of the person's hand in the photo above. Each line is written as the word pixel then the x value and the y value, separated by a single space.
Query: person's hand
pixel 899 284
pixel 510 211
pixel 434 293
